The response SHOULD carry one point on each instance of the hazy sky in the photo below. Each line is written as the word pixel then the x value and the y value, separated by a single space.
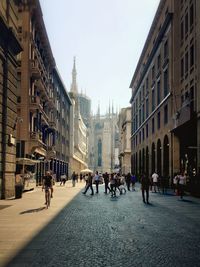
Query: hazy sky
pixel 107 38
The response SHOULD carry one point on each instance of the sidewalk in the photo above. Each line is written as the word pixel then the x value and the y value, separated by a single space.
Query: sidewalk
pixel 21 219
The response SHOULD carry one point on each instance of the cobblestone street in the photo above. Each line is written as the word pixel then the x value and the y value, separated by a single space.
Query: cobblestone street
pixel 103 231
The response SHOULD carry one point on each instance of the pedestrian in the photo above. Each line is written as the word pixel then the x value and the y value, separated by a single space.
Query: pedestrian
pixel 145 183
pixel 155 181
pixel 73 179
pixel 133 181
pixel 106 182
pixel 63 179
pixel 81 177
pixel 113 185
pixel 47 182
pixel 89 185
pixel 181 184
pixel 96 180
pixel 128 181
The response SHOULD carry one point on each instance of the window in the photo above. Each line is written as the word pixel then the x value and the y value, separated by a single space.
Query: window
pixel 182 68
pixel 147 85
pixel 158 120
pixel 143 92
pixel 191 55
pixel 191 15
pixel 166 88
pixel 147 108
pixel 143 134
pixel 143 113
pixel 147 131
pixel 158 92
pixel 186 24
pixel 153 100
pixel 140 137
pixel 166 49
pixel 99 153
pixel 158 62
pixel 186 63
pixel 182 30
pixel 166 114
pixel 140 117
pixel 153 73
pixel 153 126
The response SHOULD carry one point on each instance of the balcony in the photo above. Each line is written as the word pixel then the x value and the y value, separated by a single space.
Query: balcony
pixel 36 136
pixel 52 125
pixel 51 152
pixel 42 86
pixel 51 102
pixel 35 71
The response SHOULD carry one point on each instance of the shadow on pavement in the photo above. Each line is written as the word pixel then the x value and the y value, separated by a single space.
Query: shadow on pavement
pixel 33 210
pixel 188 201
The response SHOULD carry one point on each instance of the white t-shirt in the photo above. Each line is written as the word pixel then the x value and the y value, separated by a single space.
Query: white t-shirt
pixel 155 177
pixel 182 179
pixel 96 177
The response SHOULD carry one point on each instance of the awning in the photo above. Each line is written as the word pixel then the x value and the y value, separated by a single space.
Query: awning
pixel 26 161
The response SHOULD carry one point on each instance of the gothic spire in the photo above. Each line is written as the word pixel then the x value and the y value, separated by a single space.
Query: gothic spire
pixel 74 87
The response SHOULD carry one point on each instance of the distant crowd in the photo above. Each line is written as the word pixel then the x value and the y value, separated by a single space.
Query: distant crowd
pixel 119 183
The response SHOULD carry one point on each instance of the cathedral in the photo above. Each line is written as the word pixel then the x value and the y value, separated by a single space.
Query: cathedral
pixel 103 150
pixel 95 137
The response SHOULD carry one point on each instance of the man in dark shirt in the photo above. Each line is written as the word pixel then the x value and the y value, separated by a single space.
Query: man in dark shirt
pixel 145 183
pixel 106 181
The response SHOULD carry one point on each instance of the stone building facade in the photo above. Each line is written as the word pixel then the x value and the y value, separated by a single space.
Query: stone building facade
pixel 9 49
pixel 78 130
pixel 165 93
pixel 124 124
pixel 43 104
pixel 104 143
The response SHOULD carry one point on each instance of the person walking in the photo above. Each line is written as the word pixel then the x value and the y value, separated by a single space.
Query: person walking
pixel 73 179
pixel 89 185
pixel 155 181
pixel 113 185
pixel 96 180
pixel 133 181
pixel 106 182
pixel 128 181
pixel 181 184
pixel 145 183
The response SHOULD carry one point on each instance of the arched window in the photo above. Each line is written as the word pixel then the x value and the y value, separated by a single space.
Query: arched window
pixel 99 153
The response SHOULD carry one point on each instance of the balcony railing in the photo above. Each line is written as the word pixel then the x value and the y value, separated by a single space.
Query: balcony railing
pixel 36 136
pixel 35 69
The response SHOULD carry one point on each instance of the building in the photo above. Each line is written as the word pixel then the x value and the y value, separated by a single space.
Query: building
pixel 78 130
pixel 43 103
pixel 9 49
pixel 85 108
pixel 165 93
pixel 59 154
pixel 104 143
pixel 124 124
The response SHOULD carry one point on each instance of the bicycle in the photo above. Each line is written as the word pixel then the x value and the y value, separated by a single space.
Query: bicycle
pixel 47 196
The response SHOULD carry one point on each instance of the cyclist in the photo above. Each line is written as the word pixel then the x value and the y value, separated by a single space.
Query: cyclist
pixel 48 183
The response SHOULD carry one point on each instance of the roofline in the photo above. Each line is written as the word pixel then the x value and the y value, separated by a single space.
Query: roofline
pixel 146 44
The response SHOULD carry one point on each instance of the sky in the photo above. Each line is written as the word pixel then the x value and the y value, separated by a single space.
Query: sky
pixel 106 37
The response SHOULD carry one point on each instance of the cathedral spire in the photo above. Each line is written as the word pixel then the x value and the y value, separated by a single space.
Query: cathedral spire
pixel 74 87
